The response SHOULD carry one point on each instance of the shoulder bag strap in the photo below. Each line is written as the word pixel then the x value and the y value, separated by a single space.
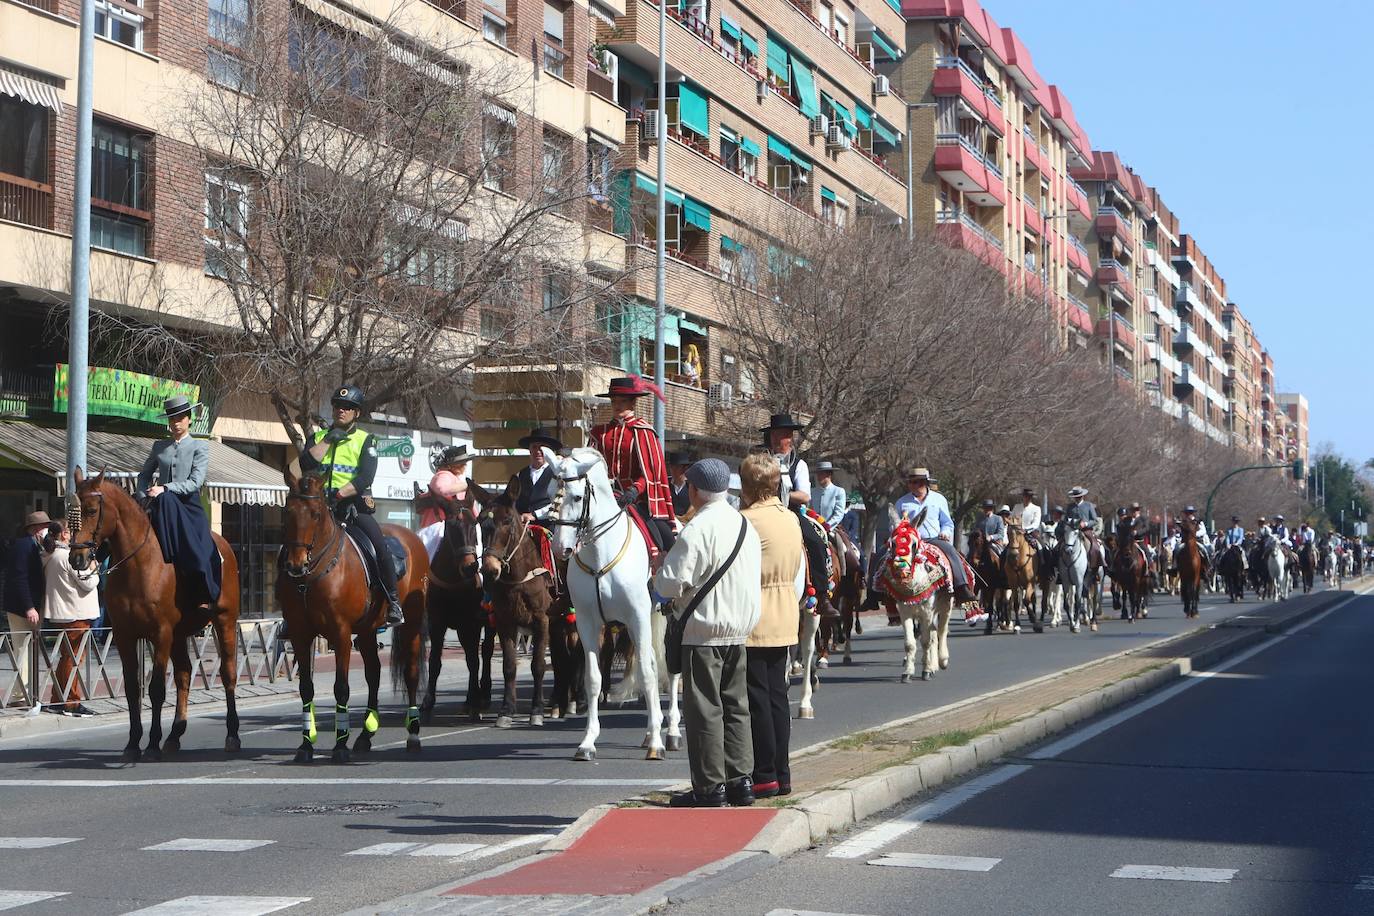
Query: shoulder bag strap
pixel 720 571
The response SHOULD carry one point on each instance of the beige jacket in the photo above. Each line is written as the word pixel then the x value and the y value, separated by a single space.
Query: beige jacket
pixel 66 596
pixel 783 569
pixel 729 611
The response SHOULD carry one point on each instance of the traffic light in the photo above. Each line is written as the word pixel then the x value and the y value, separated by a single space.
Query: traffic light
pixel 1297 469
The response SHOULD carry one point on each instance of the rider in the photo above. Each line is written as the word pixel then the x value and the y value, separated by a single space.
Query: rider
pixel 1305 535
pixel 993 528
pixel 795 492
pixel 937 528
pixel 1028 512
pixel 451 482
pixel 536 481
pixel 170 484
pixel 635 459
pixel 1204 543
pixel 828 498
pixel 347 456
pixel 678 463
pixel 1235 537
pixel 1080 510
pixel 1280 531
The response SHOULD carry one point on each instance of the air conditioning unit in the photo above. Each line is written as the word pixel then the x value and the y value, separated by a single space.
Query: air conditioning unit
pixel 720 395
pixel 650 132
pixel 761 89
pixel 819 125
pixel 836 138
pixel 881 85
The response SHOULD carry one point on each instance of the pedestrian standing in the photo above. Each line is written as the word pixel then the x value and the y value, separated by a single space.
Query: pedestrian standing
pixel 71 605
pixel 712 573
pixel 23 598
pixel 783 585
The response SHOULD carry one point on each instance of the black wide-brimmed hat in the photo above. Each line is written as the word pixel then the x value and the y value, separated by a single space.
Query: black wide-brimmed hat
pixel 454 454
pixel 781 421
pixel 629 387
pixel 178 405
pixel 678 458
pixel 541 436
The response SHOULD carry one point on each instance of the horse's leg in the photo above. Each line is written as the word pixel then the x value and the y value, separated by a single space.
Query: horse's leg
pixel 372 671
pixel 343 657
pixel 129 662
pixel 181 678
pixel 848 619
pixel 227 637
pixel 488 650
pixel 305 665
pixel 539 645
pixel 806 656
pixel 414 649
pixel 641 631
pixel 908 643
pixel 943 606
pixel 438 629
pixel 509 637
pixel 929 639
pixel 672 737
pixel 589 630
pixel 157 694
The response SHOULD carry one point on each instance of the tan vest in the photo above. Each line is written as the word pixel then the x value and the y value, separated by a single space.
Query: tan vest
pixel 782 557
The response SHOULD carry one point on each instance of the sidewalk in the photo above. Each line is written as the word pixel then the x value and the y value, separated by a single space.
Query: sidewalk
pixel 610 863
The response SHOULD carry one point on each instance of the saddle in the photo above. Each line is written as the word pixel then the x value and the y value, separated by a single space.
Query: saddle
pixel 643 525
pixel 363 545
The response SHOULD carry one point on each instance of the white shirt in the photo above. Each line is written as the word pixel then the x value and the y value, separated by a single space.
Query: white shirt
pixel 1030 516
pixel 801 474
pixel 727 615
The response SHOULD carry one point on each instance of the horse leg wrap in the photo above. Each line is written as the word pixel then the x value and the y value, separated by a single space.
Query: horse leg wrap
pixel 371 722
pixel 340 724
pixel 412 718
pixel 308 722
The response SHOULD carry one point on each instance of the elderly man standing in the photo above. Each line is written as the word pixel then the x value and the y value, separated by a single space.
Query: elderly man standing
pixel 937 528
pixel 24 592
pixel 714 574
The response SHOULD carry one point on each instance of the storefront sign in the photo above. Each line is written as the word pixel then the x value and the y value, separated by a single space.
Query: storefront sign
pixel 403 450
pixel 120 393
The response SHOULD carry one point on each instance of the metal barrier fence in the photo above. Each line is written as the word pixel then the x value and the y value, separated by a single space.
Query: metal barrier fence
pixel 30 662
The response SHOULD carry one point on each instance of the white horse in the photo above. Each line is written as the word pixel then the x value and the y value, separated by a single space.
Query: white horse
pixel 805 665
pixel 1073 573
pixel 926 619
pixel 1279 573
pixel 1330 569
pixel 608 581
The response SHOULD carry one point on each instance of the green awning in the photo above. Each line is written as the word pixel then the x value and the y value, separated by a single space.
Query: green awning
pixel 687 324
pixel 896 5
pixel 777 57
pixel 692 109
pixel 730 244
pixel 804 85
pixel 729 28
pixel 863 116
pixel 650 186
pixel 696 214
pixel 827 194
pixel 885 133
pixel 620 203
pixel 842 114
pixel 778 148
pixel 882 44
pixel 750 147
pixel 750 43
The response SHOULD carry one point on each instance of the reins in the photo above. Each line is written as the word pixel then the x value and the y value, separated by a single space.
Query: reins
pixel 93 546
pixel 310 573
pixel 589 534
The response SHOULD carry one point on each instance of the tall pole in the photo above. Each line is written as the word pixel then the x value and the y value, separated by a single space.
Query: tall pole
pixel 77 369
pixel 661 254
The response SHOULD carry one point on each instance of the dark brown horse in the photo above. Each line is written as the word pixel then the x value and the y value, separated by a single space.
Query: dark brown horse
pixel 992 584
pixel 521 595
pixel 1307 565
pixel 455 602
pixel 848 597
pixel 1130 572
pixel 323 591
pixel 146 599
pixel 1190 565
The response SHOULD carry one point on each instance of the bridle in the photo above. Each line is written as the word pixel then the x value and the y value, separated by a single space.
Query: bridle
pixel 464 551
pixel 92 546
pixel 310 573
pixel 504 562
pixel 587 533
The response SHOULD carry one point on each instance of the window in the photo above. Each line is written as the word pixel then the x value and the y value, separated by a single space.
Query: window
pixel 553 22
pixel 117 22
pixel 23 139
pixel 494 22
pixel 827 206
pixel 729 149
pixel 841 214
pixel 697 9
pixel 118 233
pixel 600 166
pixel 119 176
pixel 320 52
pixel 556 292
pixel 229 20
pixel 557 153
pixel 226 225
pixel 825 15
pixel 498 144
pixel 841 28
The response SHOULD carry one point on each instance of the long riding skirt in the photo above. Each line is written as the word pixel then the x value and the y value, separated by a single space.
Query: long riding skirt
pixel 183 531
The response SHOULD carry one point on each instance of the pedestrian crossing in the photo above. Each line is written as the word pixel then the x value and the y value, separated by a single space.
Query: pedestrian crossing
pixel 467 851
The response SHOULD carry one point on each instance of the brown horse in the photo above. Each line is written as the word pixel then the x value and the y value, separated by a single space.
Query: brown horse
pixel 521 595
pixel 848 596
pixel 1019 572
pixel 1130 572
pixel 145 599
pixel 454 601
pixel 992 594
pixel 323 591
pixel 1190 570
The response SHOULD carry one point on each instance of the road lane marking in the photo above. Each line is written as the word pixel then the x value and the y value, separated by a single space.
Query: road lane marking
pixel 207 844
pixel 1176 873
pixel 661 782
pixel 428 850
pixel 512 843
pixel 874 838
pixel 786 912
pixel 384 849
pixel 12 900
pixel 433 737
pixel 35 842
pixel 219 906
pixel 945 863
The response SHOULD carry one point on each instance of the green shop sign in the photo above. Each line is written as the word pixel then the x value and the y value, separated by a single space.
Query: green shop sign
pixel 120 393
pixel 395 448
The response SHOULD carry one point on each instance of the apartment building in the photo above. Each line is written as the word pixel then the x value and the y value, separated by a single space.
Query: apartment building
pixel 1159 286
pixel 1241 385
pixel 1294 409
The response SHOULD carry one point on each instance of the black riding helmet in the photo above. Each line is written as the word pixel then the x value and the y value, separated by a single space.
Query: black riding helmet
pixel 348 396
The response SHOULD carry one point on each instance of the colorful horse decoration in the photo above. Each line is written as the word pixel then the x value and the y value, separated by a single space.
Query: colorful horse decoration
pixel 917 578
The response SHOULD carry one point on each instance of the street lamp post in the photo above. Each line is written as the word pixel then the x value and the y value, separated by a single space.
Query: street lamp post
pixel 660 250
pixel 77 370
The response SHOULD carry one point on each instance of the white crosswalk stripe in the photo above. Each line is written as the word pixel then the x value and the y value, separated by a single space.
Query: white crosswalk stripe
pixel 465 852
pixel 35 842
pixel 219 906
pixel 10 900
pixel 945 863
pixel 1176 873
pixel 207 844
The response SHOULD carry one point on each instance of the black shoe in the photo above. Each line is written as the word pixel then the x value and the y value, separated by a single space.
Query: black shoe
pixel 784 786
pixel 394 615
pixel 712 798
pixel 827 610
pixel 963 593
pixel 80 711
pixel 740 792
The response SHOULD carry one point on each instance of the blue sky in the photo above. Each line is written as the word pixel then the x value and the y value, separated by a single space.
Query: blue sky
pixel 1253 121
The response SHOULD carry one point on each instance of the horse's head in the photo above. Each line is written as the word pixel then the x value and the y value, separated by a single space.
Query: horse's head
pixel 306 522
pixel 99 518
pixel 582 482
pixel 503 541
pixel 460 532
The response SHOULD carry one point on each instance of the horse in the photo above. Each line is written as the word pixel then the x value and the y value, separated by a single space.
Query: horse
pixel 1279 570
pixel 1329 566
pixel 1190 565
pixel 1231 565
pixel 848 596
pixel 522 592
pixel 146 599
pixel 1307 565
pixel 915 584
pixel 324 591
pixel 991 582
pixel 607 581
pixel 808 637
pixel 1020 573
pixel 1095 576
pixel 1073 573
pixel 455 602
pixel 1047 566
pixel 1130 573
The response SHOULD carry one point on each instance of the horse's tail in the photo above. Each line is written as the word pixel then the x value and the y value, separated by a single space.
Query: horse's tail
pixel 401 643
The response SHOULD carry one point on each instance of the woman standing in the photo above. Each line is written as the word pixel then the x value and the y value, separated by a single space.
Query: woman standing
pixel 71 604
pixel 783 571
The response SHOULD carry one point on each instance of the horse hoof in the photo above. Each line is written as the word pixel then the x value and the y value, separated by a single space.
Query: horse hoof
pixel 1073 628
pixel 806 714
pixel 822 663
pixel 474 716
pixel 537 721
pixel 927 675
pixel 363 744
pixel 152 753
pixel 906 679
pixel 1093 626
pixel 340 754
pixel 848 660
pixel 171 746
pixel 572 710
pixel 654 753
pixel 130 755
pixel 305 753
pixel 672 742
pixel 232 744
pixel 413 744
pixel 585 754
pixel 504 721
pixel 1016 629
pixel 944 664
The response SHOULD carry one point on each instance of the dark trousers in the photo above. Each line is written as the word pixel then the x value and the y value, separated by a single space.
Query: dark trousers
pixel 183 532
pixel 660 529
pixel 386 568
pixel 770 717
pixel 715 708
pixel 960 576
pixel 816 557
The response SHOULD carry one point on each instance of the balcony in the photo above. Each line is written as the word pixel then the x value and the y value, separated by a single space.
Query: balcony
pixel 960 230
pixel 1185 378
pixel 1118 329
pixel 25 201
pixel 1079 315
pixel 1078 256
pixel 953 77
pixel 1031 154
pixel 1187 339
pixel 1186 298
pixel 960 163
pixel 1111 224
pixel 1111 273
pixel 1078 201
pixel 1031 213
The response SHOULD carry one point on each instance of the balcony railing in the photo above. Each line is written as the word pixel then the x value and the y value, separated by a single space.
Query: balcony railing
pixel 831 34
pixel 23 200
pixel 1113 263
pixel 1123 321
pixel 1079 303
pixel 952 214
pixel 1078 246
pixel 947 63
pixel 1030 204
pixel 973 150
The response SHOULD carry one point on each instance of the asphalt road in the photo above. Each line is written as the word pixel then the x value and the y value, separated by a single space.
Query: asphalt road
pixel 1246 792
pixel 327 838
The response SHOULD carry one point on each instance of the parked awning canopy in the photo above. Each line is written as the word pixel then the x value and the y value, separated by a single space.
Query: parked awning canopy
pixel 30 90
pixel 234 477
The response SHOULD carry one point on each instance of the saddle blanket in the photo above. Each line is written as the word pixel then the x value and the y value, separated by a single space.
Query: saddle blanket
pixel 907 552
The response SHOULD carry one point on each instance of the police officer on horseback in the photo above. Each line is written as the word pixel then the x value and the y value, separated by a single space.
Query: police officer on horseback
pixel 347 457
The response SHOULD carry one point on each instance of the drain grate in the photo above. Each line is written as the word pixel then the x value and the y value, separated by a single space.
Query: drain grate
pixel 337 808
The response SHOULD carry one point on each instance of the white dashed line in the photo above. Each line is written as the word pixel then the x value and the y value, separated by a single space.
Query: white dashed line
pixel 432 850
pixel 944 863
pixel 512 843
pixel 35 842
pixel 207 844
pixel 1176 873
pixel 220 906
